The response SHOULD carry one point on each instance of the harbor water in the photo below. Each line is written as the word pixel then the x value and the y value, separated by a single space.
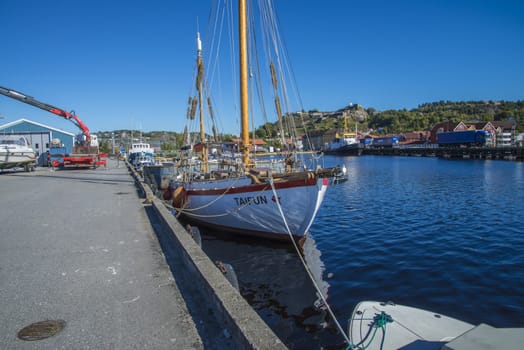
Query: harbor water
pixel 442 235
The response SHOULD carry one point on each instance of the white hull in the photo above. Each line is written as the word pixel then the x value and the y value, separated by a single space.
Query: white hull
pixel 237 205
pixel 10 160
pixel 15 153
pixel 409 327
pixel 375 326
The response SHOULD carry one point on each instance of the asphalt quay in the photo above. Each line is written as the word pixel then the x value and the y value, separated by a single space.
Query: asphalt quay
pixel 91 259
pixel 79 247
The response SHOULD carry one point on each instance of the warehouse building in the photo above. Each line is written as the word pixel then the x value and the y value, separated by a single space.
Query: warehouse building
pixel 40 136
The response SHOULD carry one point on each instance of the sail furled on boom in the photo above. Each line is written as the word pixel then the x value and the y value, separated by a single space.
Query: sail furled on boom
pixel 191 109
pixel 212 116
pixel 278 106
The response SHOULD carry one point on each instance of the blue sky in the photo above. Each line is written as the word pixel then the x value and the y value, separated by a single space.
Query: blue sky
pixel 129 64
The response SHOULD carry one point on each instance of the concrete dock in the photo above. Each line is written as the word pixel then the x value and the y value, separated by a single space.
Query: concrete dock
pixel 85 247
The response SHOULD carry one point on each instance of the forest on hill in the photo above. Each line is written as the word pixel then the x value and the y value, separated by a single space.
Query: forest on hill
pixel 424 117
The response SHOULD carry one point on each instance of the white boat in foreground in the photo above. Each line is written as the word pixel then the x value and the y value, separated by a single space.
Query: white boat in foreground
pixel 15 152
pixel 377 325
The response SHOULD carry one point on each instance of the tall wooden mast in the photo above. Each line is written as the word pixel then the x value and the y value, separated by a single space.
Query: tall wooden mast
pixel 244 107
pixel 200 77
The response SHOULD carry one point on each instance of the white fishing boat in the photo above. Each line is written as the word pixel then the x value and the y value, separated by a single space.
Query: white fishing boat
pixel 15 152
pixel 141 160
pixel 141 148
pixel 141 154
pixel 346 144
pixel 378 325
pixel 277 197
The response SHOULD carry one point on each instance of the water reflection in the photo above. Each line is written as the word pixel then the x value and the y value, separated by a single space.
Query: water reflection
pixel 275 283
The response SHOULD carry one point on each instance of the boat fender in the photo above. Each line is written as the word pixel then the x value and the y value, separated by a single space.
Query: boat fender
pixel 168 193
pixel 228 271
pixel 179 197
pixel 195 233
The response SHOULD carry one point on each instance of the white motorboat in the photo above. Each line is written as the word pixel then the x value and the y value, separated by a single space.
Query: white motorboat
pixel 377 325
pixel 15 152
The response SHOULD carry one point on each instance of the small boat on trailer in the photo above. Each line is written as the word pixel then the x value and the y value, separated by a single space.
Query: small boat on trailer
pixel 378 325
pixel 15 152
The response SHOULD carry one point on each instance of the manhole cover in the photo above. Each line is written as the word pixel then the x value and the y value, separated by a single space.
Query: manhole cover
pixel 41 330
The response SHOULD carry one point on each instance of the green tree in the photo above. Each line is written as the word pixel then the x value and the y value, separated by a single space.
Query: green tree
pixel 105 147
pixel 167 146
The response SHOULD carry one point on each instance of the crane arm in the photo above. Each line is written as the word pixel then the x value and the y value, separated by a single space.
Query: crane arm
pixel 46 107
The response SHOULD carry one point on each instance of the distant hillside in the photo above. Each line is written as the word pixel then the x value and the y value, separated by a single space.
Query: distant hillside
pixel 428 114
pixel 391 121
pixel 398 121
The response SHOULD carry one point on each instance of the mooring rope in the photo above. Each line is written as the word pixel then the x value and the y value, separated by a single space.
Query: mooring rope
pixel 305 265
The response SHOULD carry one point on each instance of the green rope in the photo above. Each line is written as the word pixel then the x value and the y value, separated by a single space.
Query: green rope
pixel 379 322
pixel 382 319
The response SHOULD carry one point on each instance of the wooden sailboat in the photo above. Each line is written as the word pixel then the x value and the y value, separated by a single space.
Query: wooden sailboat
pixel 236 194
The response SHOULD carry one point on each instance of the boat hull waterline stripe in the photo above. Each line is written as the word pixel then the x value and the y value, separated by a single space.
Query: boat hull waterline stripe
pixel 251 188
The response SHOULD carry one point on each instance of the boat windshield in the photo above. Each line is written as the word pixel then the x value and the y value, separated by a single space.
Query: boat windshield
pixel 13 140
